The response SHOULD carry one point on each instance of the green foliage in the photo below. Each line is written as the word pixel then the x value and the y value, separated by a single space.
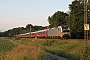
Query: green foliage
pixel 6 45
pixel 8 51
pixel 1 34
pixel 37 28
pixel 20 30
pixel 76 18
pixel 48 42
pixel 17 38
pixel 42 56
pixel 57 19
pixel 25 52
pixel 28 27
pixel 72 50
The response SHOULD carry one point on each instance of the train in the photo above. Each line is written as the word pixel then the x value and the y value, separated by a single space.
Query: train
pixel 62 31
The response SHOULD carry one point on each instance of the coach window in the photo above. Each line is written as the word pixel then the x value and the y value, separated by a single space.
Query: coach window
pixel 43 32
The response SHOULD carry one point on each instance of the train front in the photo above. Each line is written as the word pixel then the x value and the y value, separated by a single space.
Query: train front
pixel 65 31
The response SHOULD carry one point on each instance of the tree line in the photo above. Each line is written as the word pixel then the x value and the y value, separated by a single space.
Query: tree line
pixel 20 30
pixel 74 18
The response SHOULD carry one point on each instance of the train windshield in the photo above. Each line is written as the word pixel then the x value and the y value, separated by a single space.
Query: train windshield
pixel 65 28
pixel 66 31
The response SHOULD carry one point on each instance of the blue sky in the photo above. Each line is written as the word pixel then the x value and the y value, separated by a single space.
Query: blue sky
pixel 19 13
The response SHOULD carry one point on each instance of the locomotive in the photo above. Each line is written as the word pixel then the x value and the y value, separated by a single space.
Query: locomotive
pixel 62 31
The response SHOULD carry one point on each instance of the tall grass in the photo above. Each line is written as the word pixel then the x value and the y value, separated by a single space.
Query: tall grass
pixel 11 49
pixel 25 52
pixel 71 49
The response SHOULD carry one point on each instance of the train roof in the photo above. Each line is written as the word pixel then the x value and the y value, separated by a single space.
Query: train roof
pixel 42 30
pixel 34 32
pixel 28 33
pixel 55 27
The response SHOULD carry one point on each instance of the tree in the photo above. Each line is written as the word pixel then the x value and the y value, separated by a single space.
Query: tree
pixel 0 34
pixel 76 18
pixel 57 19
pixel 34 28
pixel 28 27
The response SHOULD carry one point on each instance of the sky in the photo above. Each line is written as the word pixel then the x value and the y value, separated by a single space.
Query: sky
pixel 19 13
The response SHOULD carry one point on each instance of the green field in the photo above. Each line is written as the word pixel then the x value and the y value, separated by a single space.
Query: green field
pixel 5 47
pixel 33 49
pixel 70 49
pixel 10 49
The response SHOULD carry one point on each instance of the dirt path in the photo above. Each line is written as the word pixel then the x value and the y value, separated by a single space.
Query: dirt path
pixel 54 57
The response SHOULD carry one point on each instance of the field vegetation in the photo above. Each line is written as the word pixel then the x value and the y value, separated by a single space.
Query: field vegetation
pixel 33 49
pixel 11 49
pixel 24 52
pixel 5 47
pixel 70 49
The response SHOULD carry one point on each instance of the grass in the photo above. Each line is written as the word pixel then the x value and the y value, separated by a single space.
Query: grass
pixel 24 52
pixel 5 46
pixel 14 50
pixel 33 49
pixel 71 49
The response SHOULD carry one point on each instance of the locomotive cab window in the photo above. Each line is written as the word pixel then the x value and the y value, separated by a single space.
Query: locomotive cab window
pixel 66 31
pixel 64 27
